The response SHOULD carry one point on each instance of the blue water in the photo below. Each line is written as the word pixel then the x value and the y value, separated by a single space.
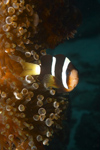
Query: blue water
pixel 84 52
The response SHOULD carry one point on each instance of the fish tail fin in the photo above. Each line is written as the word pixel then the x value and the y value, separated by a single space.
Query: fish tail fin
pixel 30 69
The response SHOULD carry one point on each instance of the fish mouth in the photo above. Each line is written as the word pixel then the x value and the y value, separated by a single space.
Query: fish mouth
pixel 73 84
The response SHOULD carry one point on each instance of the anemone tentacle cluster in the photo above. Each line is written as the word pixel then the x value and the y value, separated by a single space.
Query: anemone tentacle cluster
pixel 29 114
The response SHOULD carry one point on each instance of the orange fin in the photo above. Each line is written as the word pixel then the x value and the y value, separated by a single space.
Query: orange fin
pixel 50 81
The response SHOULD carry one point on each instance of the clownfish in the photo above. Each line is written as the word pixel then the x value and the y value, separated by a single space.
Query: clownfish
pixel 55 71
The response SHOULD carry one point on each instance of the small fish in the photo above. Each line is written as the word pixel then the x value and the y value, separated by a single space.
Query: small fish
pixel 55 71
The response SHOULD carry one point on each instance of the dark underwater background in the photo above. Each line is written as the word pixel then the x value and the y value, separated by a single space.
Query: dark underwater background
pixel 81 128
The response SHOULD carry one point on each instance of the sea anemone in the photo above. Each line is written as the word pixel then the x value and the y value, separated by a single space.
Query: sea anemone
pixel 28 118
pixel 29 113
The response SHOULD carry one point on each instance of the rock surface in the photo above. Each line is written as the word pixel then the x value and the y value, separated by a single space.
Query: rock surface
pixel 84 51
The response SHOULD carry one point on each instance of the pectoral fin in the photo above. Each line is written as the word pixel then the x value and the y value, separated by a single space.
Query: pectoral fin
pixel 50 81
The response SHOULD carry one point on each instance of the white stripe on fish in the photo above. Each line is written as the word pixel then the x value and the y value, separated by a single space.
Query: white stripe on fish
pixel 53 66
pixel 64 76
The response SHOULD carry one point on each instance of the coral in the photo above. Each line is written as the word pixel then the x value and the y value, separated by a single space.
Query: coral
pixel 59 21
pixel 29 113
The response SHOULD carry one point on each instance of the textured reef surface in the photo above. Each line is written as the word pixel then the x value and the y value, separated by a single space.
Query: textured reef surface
pixel 29 113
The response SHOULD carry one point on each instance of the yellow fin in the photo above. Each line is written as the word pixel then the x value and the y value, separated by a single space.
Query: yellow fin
pixel 50 81
pixel 30 69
